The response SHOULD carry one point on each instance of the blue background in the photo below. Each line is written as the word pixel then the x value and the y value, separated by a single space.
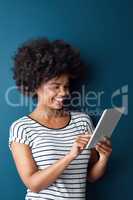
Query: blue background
pixel 102 30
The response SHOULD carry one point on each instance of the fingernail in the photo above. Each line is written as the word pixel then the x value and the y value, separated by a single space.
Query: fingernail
pixel 88 133
pixel 98 143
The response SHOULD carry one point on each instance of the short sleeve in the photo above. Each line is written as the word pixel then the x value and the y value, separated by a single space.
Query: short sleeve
pixel 17 133
pixel 89 124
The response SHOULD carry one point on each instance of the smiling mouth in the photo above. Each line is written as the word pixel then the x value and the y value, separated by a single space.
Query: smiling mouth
pixel 59 100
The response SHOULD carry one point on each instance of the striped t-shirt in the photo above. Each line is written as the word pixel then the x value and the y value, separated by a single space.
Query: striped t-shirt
pixel 48 145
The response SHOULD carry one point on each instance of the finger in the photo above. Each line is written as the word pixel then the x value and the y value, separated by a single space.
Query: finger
pixel 82 142
pixel 81 145
pixel 80 138
pixel 107 143
pixel 85 136
pixel 104 145
pixel 100 150
pixel 88 133
pixel 84 139
pixel 107 140
pixel 105 148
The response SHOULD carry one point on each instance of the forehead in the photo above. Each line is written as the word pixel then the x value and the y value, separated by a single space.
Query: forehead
pixel 59 80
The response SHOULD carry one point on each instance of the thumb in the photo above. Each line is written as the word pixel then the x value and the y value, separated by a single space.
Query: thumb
pixel 88 133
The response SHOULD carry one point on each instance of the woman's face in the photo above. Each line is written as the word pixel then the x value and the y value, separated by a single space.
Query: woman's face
pixel 52 93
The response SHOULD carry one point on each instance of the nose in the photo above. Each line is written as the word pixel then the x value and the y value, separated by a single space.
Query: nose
pixel 64 92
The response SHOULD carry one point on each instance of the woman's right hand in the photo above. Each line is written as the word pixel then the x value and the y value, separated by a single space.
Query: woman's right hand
pixel 79 144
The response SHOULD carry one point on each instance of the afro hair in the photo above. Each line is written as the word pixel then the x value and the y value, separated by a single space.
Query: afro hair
pixel 39 60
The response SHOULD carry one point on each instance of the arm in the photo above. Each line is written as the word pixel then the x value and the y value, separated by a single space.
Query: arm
pixel 96 168
pixel 33 178
pixel 99 159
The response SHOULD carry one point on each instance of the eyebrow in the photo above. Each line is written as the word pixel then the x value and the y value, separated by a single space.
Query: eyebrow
pixel 59 83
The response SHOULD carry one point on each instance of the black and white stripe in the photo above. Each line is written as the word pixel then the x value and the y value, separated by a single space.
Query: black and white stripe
pixel 49 145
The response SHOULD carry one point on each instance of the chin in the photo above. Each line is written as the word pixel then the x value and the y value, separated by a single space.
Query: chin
pixel 56 107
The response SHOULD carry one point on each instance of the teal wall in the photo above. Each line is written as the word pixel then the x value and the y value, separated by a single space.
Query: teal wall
pixel 102 30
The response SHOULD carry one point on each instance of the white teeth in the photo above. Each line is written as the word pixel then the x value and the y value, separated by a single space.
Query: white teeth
pixel 59 99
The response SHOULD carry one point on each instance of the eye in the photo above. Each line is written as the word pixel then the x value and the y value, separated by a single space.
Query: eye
pixel 55 87
pixel 66 87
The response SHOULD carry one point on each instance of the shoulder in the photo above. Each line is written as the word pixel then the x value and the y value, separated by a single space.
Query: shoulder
pixel 20 122
pixel 83 119
pixel 17 132
pixel 81 114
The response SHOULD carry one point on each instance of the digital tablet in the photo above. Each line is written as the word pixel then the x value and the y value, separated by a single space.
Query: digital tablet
pixel 105 126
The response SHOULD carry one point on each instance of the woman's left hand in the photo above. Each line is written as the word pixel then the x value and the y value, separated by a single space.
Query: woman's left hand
pixel 104 148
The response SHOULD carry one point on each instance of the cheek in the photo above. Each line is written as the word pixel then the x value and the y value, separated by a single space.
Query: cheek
pixel 49 95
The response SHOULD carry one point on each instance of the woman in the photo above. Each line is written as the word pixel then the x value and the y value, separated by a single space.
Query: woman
pixel 49 144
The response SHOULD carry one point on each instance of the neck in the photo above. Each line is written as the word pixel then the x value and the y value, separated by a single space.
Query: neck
pixel 47 113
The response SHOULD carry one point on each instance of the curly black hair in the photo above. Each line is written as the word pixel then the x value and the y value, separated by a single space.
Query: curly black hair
pixel 39 60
